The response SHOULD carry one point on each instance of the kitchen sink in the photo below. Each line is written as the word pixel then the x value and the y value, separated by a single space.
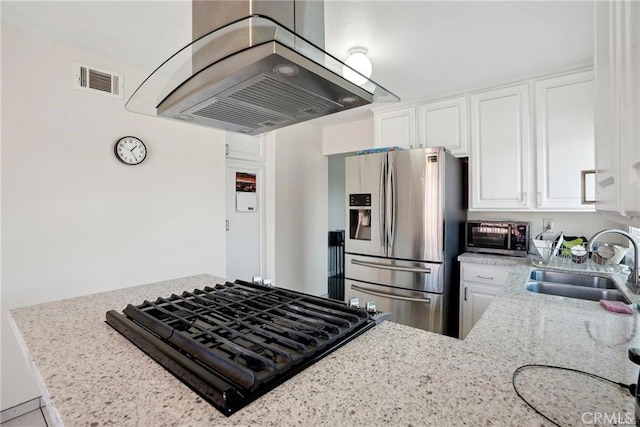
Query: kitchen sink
pixel 577 291
pixel 582 280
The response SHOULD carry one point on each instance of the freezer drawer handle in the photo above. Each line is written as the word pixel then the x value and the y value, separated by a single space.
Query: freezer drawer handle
pixel 379 294
pixel 391 267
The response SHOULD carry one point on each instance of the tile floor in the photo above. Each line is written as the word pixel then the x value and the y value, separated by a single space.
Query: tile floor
pixel 30 419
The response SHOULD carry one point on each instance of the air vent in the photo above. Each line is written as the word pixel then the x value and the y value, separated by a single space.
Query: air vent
pixel 95 80
pixel 239 114
pixel 266 92
pixel 262 103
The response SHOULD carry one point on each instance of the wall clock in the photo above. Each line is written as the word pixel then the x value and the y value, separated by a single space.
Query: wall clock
pixel 130 150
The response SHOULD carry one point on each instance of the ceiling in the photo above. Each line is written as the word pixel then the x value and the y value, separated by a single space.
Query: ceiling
pixel 419 49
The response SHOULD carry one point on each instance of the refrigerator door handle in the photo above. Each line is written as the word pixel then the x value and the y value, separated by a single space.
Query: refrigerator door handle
pixel 398 297
pixel 391 267
pixel 392 206
pixel 381 210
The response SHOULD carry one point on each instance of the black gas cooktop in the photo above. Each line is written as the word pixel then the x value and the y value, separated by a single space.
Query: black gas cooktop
pixel 234 342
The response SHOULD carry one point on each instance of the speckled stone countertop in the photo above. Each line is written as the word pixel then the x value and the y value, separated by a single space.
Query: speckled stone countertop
pixel 392 374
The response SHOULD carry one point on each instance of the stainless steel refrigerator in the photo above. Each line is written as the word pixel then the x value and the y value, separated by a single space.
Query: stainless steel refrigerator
pixel 405 215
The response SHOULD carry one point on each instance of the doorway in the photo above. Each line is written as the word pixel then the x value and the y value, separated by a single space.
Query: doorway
pixel 245 220
pixel 336 217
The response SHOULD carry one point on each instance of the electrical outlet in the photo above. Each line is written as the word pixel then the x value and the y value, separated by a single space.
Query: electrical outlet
pixel 547 224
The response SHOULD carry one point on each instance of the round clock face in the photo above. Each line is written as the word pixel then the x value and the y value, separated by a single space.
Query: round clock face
pixel 130 150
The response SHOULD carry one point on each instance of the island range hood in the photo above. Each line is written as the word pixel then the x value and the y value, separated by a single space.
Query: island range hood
pixel 254 66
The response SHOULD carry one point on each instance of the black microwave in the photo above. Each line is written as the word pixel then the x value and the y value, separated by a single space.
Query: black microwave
pixel 497 237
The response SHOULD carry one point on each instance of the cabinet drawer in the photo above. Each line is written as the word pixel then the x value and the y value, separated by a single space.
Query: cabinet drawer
pixel 488 275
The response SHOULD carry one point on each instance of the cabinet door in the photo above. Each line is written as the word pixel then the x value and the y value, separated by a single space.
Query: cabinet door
pixel 475 299
pixel 564 140
pixel 395 128
pixel 606 143
pixel 244 147
pixel 500 153
pixel 444 124
pixel 630 109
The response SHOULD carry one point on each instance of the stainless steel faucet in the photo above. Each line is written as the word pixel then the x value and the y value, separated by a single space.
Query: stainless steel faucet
pixel 633 277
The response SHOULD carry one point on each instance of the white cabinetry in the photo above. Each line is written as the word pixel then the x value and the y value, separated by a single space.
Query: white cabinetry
pixel 395 127
pixel 479 284
pixel 444 124
pixel 564 140
pixel 500 154
pixel 244 147
pixel 617 82
pixel 629 106
pixel 607 147
pixel 504 174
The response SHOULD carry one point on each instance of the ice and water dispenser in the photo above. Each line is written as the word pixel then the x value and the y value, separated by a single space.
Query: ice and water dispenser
pixel 360 216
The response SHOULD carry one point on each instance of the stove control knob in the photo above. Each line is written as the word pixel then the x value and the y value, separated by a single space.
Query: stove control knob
pixel 371 307
pixel 354 302
pixel 257 280
pixel 267 282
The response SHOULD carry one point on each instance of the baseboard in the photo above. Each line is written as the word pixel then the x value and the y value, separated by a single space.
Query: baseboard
pixel 20 409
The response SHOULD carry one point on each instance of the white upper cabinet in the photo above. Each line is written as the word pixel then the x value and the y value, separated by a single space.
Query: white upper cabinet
pixel 395 127
pixel 444 124
pixel 244 147
pixel 617 83
pixel 630 110
pixel 564 140
pixel 500 161
pixel 606 145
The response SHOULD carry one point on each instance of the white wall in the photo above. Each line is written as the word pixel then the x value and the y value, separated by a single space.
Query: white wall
pixel 76 221
pixel 348 137
pixel 300 209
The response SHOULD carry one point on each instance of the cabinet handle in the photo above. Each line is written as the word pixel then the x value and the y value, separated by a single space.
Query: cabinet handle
pixel 465 293
pixel 583 187
pixel 607 181
pixel 484 277
pixel 539 198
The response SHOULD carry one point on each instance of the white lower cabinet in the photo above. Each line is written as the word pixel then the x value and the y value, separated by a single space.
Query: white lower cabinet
pixel 479 284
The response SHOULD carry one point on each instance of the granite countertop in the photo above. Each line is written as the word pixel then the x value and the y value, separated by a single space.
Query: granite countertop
pixel 393 374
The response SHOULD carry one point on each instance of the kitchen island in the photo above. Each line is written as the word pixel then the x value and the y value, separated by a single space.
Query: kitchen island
pixel 92 376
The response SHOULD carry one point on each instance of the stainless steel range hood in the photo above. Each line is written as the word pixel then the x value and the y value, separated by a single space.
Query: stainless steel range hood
pixel 248 72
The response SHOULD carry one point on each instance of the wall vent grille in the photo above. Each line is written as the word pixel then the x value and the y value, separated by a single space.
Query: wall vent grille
pixel 95 80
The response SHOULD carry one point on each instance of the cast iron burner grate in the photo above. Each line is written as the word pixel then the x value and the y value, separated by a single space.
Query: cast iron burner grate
pixel 234 342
